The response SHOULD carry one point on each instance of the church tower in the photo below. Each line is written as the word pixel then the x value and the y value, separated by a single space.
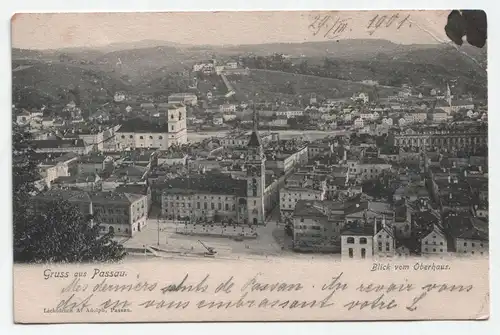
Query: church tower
pixel 256 175
pixel 448 94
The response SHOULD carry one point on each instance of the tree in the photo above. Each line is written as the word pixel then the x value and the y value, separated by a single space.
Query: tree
pixel 24 175
pixel 61 233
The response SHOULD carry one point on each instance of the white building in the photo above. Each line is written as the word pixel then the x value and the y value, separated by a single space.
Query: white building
pixel 357 242
pixel 359 123
pixel 384 242
pixel 387 121
pixel 143 134
pixel 434 242
pixel 184 98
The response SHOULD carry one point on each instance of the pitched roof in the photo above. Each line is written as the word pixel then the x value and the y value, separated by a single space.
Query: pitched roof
pixel 216 183
pixel 254 141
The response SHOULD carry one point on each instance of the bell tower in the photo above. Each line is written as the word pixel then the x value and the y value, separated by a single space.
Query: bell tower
pixel 256 175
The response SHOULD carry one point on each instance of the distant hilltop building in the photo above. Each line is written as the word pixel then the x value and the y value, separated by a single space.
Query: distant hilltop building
pixel 361 97
pixel 119 97
pixel 207 67
pixel 370 82
pixel 313 100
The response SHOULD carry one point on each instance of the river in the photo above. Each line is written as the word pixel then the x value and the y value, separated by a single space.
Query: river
pixel 284 134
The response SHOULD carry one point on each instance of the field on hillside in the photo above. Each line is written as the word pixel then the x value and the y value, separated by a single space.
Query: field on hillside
pixel 273 84
pixel 45 83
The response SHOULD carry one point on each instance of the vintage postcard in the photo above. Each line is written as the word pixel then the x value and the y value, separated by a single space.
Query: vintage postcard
pixel 250 166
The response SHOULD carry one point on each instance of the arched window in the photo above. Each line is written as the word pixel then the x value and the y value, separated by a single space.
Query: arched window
pixel 160 137
pixel 362 240
pixel 350 240
pixel 150 137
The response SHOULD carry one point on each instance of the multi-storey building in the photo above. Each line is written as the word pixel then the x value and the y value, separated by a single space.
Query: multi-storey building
pixel 76 146
pixel 470 235
pixel 300 187
pixel 357 242
pixel 183 98
pixel 317 225
pixel 218 196
pixel 123 214
pixel 368 168
pixel 143 134
pixel 430 137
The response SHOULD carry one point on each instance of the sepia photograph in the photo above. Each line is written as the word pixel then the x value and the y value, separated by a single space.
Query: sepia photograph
pixel 228 142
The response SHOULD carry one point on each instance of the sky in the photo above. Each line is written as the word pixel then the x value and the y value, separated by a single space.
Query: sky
pixel 64 30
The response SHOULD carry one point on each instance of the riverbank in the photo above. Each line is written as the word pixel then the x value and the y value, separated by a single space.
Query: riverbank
pixel 309 135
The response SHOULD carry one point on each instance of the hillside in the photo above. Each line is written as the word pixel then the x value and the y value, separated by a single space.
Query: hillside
pixel 359 49
pixel 137 63
pixel 154 67
pixel 42 83
pixel 272 84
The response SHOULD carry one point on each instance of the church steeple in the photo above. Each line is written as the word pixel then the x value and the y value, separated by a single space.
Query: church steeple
pixel 448 94
pixel 255 141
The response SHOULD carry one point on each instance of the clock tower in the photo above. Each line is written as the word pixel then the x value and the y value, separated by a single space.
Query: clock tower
pixel 256 175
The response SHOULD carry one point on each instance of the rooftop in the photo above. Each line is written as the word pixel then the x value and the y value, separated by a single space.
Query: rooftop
pixel 216 183
pixel 84 196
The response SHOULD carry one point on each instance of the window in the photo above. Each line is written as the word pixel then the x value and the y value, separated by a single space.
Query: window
pixel 441 243
pixel 362 240
pixel 172 128
pixel 465 244
pixel 212 206
pixel 434 249
pixel 481 245
pixel 198 205
pixel 255 202
pixel 227 207
pixel 141 137
pixel 379 246
pixel 387 246
pixel 425 242
pixel 130 136
pixel 350 240
pixel 205 206
pixel 473 244
pixel 123 136
pixel 472 252
pixel 351 253
pixel 425 249
pixel 363 253
pixel 433 236
pixel 160 137
pixel 219 206
pixel 441 250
